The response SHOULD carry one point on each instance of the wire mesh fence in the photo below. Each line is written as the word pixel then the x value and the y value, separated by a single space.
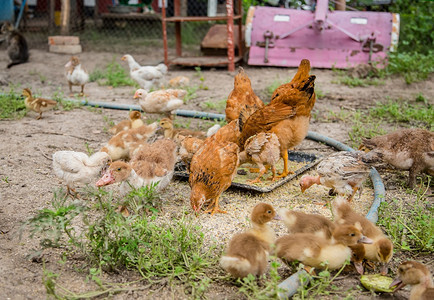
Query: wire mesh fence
pixel 122 25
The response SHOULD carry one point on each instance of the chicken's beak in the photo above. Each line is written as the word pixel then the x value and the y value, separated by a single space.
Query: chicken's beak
pixel 359 267
pixel 365 240
pixel 106 179
pixel 398 283
pixel 136 96
pixel 68 64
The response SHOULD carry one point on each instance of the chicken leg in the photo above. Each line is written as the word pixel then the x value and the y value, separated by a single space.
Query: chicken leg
pixel 285 171
pixel 216 208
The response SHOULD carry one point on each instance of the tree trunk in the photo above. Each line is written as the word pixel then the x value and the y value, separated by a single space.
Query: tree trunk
pixel 65 17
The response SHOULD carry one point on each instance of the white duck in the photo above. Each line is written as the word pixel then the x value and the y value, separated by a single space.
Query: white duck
pixel 77 167
pixel 145 76
pixel 162 101
pixel 75 74
pixel 150 163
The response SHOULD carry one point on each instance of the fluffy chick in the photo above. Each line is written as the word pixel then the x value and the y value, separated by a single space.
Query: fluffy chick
pixel 160 102
pixel 416 274
pixel 405 149
pixel 76 74
pixel 38 105
pixel 77 167
pixel 248 252
pixel 263 149
pixel 135 121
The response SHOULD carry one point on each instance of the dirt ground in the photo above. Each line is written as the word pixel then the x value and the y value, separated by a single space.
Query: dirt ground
pixel 27 144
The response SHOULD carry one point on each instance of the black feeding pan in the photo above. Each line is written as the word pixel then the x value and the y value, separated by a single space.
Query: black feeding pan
pixel 298 162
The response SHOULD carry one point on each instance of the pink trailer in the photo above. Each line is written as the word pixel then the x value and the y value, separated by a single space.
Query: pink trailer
pixel 339 39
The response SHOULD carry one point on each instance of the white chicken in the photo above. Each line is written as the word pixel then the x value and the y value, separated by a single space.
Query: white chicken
pixel 162 101
pixel 75 74
pixel 146 76
pixel 77 167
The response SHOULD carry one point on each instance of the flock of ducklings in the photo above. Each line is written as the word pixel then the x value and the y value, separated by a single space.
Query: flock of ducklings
pixel 312 239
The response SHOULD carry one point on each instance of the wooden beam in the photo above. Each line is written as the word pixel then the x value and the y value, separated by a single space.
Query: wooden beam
pixel 65 17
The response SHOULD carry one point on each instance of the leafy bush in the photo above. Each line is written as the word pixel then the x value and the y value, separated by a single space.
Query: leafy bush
pixel 416 34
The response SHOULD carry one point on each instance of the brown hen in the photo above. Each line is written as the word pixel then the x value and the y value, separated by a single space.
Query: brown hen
pixel 302 73
pixel 287 116
pixel 212 169
pixel 241 96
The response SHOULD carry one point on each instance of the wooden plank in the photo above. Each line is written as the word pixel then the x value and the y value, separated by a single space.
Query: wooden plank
pixel 63 40
pixel 66 49
pixel 206 61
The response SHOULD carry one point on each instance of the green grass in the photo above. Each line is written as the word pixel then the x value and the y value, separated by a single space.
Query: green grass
pixel 410 225
pixel 169 250
pixel 264 288
pixel 59 96
pixel 274 85
pixel 322 285
pixel 363 126
pixel 219 105
pixel 401 111
pixel 12 105
pixel 356 82
pixel 413 67
pixel 113 75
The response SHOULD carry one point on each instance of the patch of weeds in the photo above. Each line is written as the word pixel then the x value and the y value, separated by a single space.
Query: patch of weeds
pixel 144 199
pixel 89 150
pixel 405 112
pixel 114 75
pixel 363 126
pixel 356 82
pixel 199 74
pixel 269 289
pixel 191 93
pixel 410 225
pixel 269 90
pixel 109 122
pixel 5 179
pixel 215 105
pixel 52 224
pixel 319 93
pixel 169 250
pixel 12 105
pixel 321 285
pixel 67 105
pixel 412 65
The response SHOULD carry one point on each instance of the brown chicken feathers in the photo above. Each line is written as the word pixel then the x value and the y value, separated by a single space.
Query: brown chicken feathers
pixel 241 96
pixel 287 115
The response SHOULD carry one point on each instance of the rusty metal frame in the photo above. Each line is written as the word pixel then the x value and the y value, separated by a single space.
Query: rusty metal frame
pixel 178 19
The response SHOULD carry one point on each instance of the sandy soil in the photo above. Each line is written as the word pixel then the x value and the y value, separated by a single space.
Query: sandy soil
pixel 27 144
